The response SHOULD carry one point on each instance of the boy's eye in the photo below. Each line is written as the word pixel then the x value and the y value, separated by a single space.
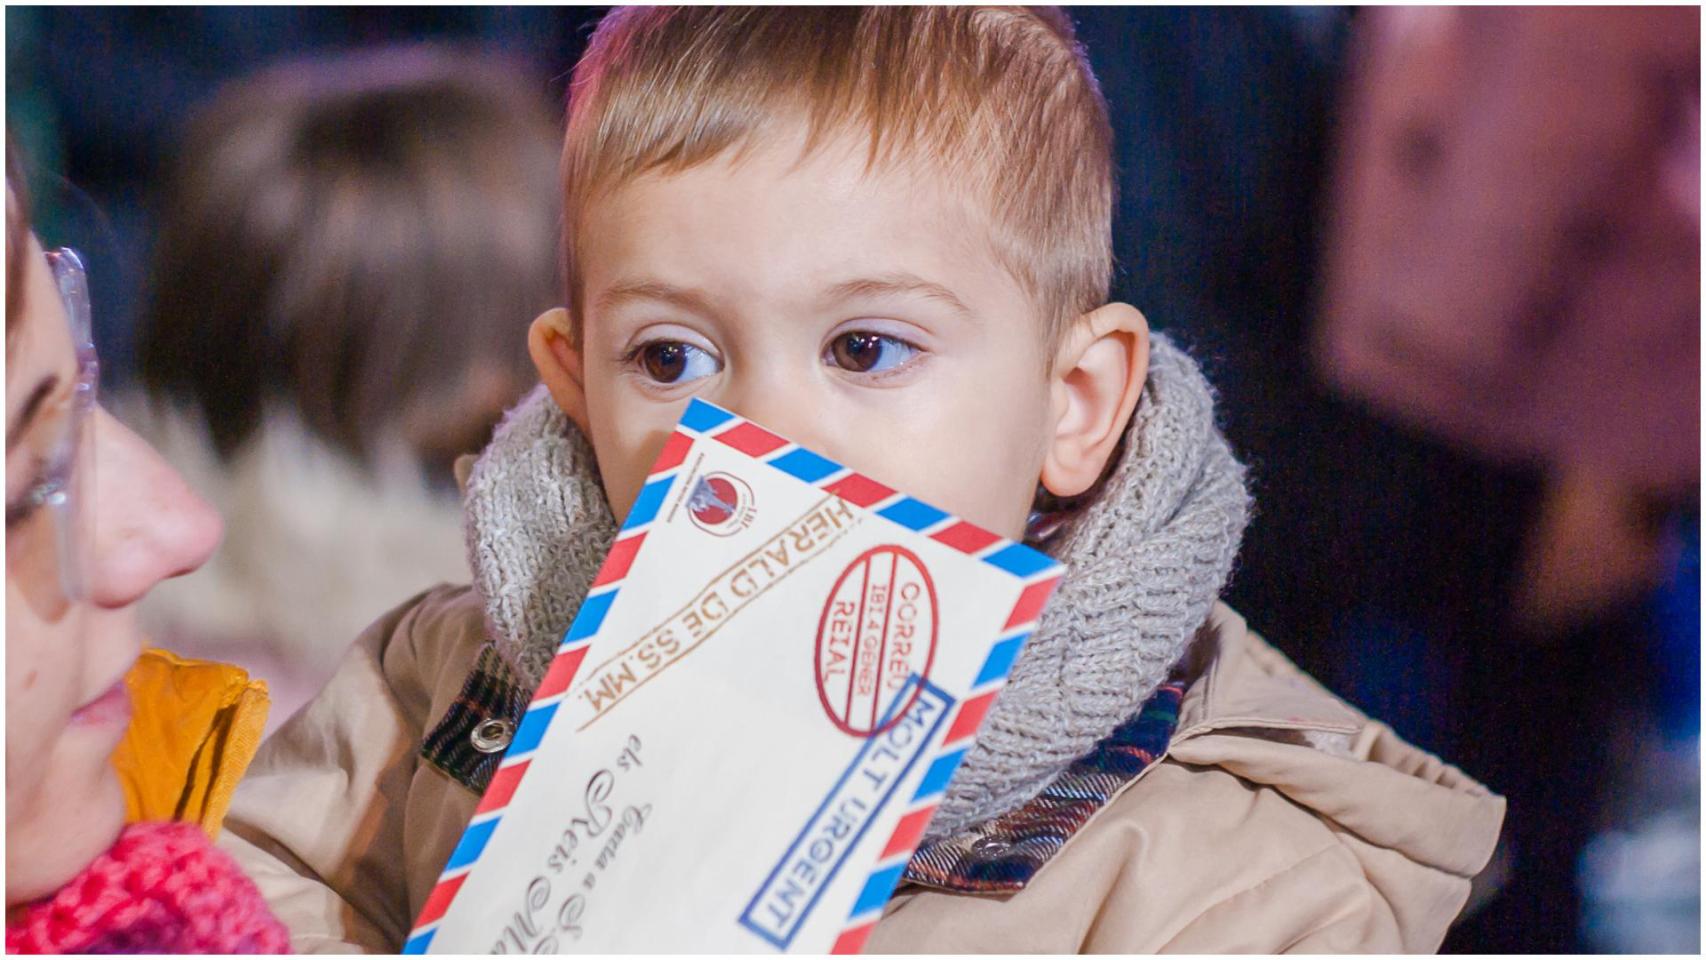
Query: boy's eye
pixel 869 352
pixel 670 361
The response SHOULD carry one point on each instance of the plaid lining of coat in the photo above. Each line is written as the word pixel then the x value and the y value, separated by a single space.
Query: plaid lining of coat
pixel 998 856
pixel 491 692
pixel 1002 855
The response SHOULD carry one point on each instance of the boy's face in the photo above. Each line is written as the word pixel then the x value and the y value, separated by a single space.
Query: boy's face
pixel 861 314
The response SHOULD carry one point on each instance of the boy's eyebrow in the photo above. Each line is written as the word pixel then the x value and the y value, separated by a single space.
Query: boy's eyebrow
pixel 890 284
pixel 622 293
pixel 15 430
pixel 899 283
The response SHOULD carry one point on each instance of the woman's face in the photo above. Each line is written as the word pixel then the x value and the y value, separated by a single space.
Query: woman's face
pixel 73 575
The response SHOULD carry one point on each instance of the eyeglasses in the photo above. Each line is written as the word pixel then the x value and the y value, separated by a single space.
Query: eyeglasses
pixel 70 463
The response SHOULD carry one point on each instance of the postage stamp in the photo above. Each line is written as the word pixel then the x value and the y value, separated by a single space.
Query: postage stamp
pixel 721 504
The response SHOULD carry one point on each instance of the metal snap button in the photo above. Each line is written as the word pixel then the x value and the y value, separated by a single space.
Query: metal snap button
pixel 990 846
pixel 492 735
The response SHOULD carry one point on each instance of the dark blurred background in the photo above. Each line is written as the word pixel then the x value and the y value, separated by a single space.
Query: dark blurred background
pixel 1413 574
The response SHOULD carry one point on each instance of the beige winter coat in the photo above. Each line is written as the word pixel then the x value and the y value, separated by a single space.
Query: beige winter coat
pixel 1279 819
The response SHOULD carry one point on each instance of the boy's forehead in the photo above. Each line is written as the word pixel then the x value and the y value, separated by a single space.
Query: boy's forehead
pixel 844 156
pixel 832 192
pixel 782 222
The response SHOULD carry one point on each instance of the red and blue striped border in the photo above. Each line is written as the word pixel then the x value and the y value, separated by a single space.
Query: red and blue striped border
pixel 1040 573
pixel 991 677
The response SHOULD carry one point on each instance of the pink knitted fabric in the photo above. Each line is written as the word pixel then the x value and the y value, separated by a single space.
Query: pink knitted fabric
pixel 162 888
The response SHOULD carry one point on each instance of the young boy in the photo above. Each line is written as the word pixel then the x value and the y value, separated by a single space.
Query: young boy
pixel 885 234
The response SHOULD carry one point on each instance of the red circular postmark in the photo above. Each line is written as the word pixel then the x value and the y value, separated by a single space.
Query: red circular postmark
pixel 878 628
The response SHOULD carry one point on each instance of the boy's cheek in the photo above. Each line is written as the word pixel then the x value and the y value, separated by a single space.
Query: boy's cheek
pixel 973 475
pixel 625 450
pixel 620 489
pixel 951 444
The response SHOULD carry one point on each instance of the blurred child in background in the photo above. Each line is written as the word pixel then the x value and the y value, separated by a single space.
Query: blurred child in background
pixel 350 251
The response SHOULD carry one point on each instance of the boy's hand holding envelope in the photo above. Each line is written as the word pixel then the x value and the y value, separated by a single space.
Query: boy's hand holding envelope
pixel 752 718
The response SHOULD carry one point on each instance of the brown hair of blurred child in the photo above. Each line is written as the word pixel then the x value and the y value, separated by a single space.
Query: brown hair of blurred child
pixel 350 252
pixel 360 237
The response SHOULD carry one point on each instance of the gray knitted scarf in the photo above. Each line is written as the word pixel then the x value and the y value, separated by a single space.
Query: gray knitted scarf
pixel 1145 560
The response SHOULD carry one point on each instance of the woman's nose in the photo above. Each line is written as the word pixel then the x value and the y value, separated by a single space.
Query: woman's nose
pixel 149 525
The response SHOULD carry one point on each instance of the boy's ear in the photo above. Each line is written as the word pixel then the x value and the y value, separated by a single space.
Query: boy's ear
pixel 1099 370
pixel 559 364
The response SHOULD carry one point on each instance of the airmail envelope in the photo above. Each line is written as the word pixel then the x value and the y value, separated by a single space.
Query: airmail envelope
pixel 751 719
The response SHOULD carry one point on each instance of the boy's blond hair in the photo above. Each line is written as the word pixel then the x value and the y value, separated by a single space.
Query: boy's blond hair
pixel 1000 99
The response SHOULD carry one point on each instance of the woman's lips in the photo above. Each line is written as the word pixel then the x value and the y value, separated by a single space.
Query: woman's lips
pixel 112 707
